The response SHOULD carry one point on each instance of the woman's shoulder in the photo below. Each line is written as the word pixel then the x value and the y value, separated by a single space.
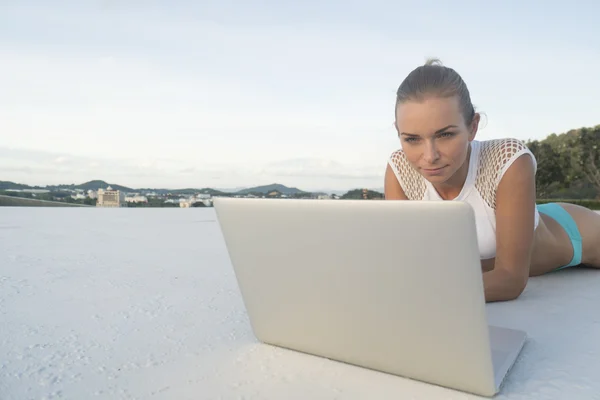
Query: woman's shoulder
pixel 495 158
pixel 506 146
pixel 498 154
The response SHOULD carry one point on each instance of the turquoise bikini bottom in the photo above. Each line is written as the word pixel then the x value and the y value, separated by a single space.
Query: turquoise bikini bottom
pixel 556 212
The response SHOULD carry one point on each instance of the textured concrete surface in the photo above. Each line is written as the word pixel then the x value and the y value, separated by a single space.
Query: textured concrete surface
pixel 143 304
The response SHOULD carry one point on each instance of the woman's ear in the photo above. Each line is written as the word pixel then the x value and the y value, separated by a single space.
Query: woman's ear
pixel 474 126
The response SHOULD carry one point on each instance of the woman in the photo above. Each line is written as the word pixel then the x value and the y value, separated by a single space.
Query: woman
pixel 440 159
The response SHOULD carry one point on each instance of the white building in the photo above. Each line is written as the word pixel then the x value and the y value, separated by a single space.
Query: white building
pixel 110 198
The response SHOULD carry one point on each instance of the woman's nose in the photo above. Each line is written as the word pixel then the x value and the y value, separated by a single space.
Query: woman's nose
pixel 431 154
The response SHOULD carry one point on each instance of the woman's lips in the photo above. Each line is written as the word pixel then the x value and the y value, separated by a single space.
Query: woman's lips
pixel 433 171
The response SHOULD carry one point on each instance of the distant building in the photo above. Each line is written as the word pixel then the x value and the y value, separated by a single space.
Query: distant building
pixel 136 199
pixel 110 198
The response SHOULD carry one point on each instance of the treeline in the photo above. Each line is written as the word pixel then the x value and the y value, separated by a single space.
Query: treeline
pixel 362 194
pixel 568 165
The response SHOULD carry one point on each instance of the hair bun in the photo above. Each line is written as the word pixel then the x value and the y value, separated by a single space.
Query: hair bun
pixel 434 61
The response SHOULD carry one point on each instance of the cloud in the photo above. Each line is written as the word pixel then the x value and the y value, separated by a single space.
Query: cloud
pixel 135 108
pixel 43 167
pixel 220 95
pixel 318 168
pixel 40 168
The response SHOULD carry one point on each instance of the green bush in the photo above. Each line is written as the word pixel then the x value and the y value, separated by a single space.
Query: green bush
pixel 589 203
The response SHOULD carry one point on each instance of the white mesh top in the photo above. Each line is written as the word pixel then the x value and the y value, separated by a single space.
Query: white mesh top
pixel 488 162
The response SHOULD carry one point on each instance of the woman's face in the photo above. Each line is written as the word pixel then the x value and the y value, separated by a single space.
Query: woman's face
pixel 434 136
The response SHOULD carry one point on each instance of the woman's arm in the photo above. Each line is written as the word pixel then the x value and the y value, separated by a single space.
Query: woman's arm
pixel 515 213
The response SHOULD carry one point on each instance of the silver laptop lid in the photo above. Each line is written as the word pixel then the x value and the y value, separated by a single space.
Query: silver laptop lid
pixel 394 286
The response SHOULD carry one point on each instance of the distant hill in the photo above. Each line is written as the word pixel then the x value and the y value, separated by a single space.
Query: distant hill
pixel 269 188
pixel 91 185
pixel 8 185
pixel 180 192
pixel 100 184
pixel 223 192
pixel 231 190
pixel 211 191
pixel 97 184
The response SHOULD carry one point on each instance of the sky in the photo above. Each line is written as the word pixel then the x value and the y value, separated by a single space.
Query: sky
pixel 240 93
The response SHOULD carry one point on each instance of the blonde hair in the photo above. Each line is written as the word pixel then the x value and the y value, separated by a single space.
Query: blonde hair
pixel 435 79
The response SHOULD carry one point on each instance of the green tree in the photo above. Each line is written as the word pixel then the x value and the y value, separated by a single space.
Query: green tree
pixel 587 156
pixel 568 164
pixel 549 170
pixel 359 194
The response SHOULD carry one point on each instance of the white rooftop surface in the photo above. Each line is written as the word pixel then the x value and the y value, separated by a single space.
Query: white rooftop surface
pixel 143 304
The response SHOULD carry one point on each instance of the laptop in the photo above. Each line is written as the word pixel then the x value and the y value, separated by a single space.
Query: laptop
pixel 392 286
